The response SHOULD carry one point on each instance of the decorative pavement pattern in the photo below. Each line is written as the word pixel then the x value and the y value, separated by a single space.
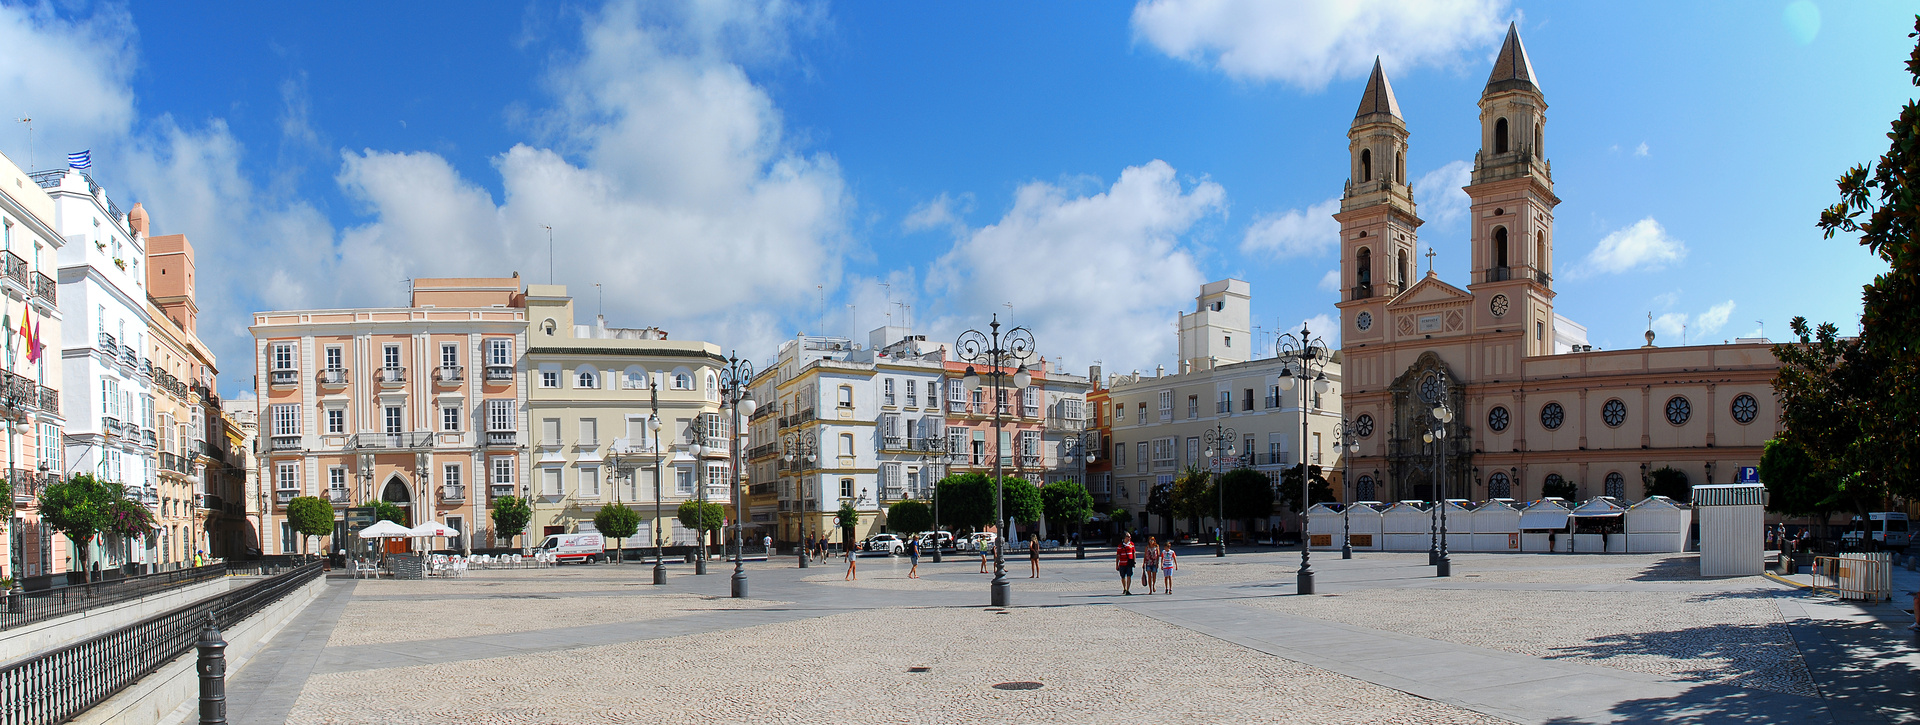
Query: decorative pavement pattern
pixel 1510 638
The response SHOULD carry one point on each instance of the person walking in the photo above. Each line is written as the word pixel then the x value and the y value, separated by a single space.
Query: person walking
pixel 1033 555
pixel 982 545
pixel 1149 574
pixel 913 555
pixel 1123 562
pixel 851 559
pixel 1168 563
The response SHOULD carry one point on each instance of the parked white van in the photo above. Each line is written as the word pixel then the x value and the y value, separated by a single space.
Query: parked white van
pixel 1880 530
pixel 575 547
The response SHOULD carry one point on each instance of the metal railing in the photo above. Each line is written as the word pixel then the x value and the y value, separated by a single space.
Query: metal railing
pixel 337 495
pixel 449 374
pixel 416 439
pixel 285 443
pixel 283 377
pixel 49 399
pixel 331 377
pixel 453 493
pixel 499 373
pixel 285 495
pixel 1362 291
pixel 129 357
pixel 392 375
pixel 45 288
pixel 501 437
pixel 15 269
pixel 107 343
pixel 27 608
pixel 55 686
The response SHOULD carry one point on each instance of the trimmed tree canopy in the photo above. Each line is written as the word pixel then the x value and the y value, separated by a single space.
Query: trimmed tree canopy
pixel 966 500
pixel 310 515
pixel 692 517
pixel 616 521
pixel 1022 500
pixel 1669 482
pixel 909 517
pixel 384 510
pixel 1066 502
pixel 510 516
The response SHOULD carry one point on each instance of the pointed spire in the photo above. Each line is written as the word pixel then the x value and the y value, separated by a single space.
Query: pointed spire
pixel 1513 64
pixel 1379 96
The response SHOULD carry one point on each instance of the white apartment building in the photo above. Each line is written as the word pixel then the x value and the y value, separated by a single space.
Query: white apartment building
pixel 30 385
pixel 1161 423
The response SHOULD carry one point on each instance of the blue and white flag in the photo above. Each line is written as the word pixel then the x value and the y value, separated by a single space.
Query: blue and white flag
pixel 81 160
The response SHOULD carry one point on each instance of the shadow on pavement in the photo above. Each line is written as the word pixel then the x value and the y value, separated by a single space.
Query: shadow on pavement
pixel 1713 704
pixel 1746 655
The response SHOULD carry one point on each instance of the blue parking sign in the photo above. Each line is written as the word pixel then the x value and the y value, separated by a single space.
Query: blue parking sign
pixel 1748 474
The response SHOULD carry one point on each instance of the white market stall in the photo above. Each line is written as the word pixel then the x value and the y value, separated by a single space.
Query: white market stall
pixel 1597 527
pixel 1496 526
pixel 1407 526
pixel 1657 524
pixel 1732 522
pixel 1459 513
pixel 1323 525
pixel 1363 520
pixel 1543 526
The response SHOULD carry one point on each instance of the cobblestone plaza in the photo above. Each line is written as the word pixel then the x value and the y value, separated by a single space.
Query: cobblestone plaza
pixel 1509 638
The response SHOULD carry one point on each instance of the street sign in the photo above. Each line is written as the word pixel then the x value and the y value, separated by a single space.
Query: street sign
pixel 360 517
pixel 1748 474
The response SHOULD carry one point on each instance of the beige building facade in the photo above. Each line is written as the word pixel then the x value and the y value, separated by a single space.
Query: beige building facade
pixel 1535 405
pixel 31 384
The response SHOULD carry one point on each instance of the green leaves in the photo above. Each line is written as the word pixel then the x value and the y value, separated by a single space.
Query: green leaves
pixel 909 516
pixel 1669 482
pixel 1066 502
pixel 310 515
pixel 616 521
pixel 386 511
pixel 702 517
pixel 510 516
pixel 966 500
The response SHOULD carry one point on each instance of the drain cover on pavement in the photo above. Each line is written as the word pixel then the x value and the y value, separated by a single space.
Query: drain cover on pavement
pixel 1017 686
pixel 919 669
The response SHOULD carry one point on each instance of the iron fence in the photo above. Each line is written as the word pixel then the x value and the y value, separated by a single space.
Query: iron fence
pixel 28 607
pixel 55 686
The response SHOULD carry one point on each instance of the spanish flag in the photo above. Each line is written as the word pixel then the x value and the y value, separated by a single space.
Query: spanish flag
pixel 26 336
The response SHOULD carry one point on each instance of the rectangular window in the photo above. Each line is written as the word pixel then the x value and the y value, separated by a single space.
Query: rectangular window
pixel 336 357
pixel 283 356
pixel 550 481
pixel 1193 451
pixel 1119 456
pixel 1225 404
pixel 846 488
pixel 450 418
pixel 549 431
pixel 956 391
pixel 1030 401
pixel 50 446
pixel 549 378
pixel 450 475
pixel 1140 461
pixel 337 482
pixel 393 419
pixel 1120 413
pixel 886 394
pixel 1000 400
pixel 1316 449
pixel 288 477
pixel 503 473
pixel 589 432
pixel 1029 443
pixel 956 439
pixel 286 419
pixel 1193 407
pixel 336 421
pixel 1246 400
pixel 891 479
pixel 683 481
pixel 1164 452
pixel 390 356
pixel 913 394
pixel 500 351
pixel 289 541
pixel 449 355
pixel 590 482
pixel 500 415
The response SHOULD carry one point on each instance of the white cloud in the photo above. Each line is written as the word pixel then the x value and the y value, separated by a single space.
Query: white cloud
pixel 940 213
pixel 1097 276
pixel 1678 327
pixel 1640 150
pixel 71 76
pixel 1295 233
pixel 1307 44
pixel 1643 245
pixel 1322 326
pixel 1330 281
pixel 1714 318
pixel 1670 325
pixel 1442 194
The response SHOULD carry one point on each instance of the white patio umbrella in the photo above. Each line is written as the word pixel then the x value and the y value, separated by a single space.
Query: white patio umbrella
pixel 385 530
pixel 430 529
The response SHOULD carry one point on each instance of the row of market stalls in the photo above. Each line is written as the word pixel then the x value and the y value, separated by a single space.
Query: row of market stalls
pixel 1601 525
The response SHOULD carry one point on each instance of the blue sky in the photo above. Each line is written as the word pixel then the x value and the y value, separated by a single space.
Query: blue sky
pixel 721 167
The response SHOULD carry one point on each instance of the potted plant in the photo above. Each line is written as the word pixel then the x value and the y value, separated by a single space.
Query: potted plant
pixel 118 262
pixel 14 603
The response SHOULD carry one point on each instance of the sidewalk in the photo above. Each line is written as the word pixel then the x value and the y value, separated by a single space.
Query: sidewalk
pixel 1862 654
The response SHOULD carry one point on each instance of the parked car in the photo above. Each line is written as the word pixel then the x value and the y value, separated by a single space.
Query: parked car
pixel 888 543
pixel 943 539
pixel 977 541
pixel 586 548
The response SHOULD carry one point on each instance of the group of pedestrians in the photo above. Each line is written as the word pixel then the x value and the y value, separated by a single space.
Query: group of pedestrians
pixel 1157 560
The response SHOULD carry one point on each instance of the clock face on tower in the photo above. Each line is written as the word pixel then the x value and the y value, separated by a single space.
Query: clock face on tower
pixel 1499 305
pixel 1364 321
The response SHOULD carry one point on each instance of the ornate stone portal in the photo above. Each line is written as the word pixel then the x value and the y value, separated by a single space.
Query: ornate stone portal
pixel 1410 459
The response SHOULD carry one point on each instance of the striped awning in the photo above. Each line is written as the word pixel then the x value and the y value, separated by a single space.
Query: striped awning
pixel 1730 494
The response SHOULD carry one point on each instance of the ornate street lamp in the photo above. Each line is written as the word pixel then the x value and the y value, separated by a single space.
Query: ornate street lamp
pixel 996 352
pixel 1436 435
pixel 1348 447
pixel 1086 459
pixel 1309 353
pixel 738 399
pixel 1219 440
pixel 801 446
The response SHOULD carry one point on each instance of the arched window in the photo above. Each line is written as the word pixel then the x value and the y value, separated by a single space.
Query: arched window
pixel 1500 247
pixel 1366 165
pixel 1540 251
pixel 1538 142
pixel 1400 167
pixel 634 378
pixel 1498 486
pixel 682 379
pixel 586 377
pixel 1500 136
pixel 1403 267
pixel 846 444
pixel 713 387
pixel 1616 485
pixel 1363 267
pixel 846 396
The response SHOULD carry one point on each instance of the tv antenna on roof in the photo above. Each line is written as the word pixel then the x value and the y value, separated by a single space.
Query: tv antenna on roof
pixel 29 122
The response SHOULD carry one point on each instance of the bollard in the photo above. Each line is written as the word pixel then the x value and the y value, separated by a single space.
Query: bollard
pixel 1079 550
pixel 213 675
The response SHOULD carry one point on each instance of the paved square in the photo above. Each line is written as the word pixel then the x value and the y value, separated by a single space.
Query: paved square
pixel 1520 638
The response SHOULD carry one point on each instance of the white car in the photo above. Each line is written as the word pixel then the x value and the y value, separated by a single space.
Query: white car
pixel 884 542
pixel 978 541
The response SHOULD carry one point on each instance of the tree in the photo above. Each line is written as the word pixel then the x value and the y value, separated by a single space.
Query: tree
pixel 1560 488
pixel 617 522
pixel 1319 490
pixel 1021 500
pixel 310 516
pixel 847 518
pixel 510 516
pixel 1249 495
pixel 1122 519
pixel 1796 485
pixel 1067 502
pixel 910 517
pixel 966 500
pixel 1669 482
pixel 1193 496
pixel 6 503
pixel 1829 388
pixel 1883 454
pixel 386 511
pixel 79 508
pixel 693 517
pixel 1160 503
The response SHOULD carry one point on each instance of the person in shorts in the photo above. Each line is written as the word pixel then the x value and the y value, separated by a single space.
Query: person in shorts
pixel 913 555
pixel 1033 555
pixel 1123 562
pixel 1149 572
pixel 1168 563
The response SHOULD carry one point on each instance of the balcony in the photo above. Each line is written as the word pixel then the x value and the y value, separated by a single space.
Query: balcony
pixel 1029 461
pixel 285 495
pixel 108 345
pixel 337 496
pixel 148 439
pixel 129 358
pixel 334 378
pixel 928 445
pixel 1222 407
pixel 499 373
pixel 1282 458
pixel 283 377
pixel 46 289
pixel 49 399
pixel 501 438
pixel 14 269
pixel 391 441
pixel 1361 292
pixel 112 427
pixel 715 446
pixel 389 377
pixel 449 375
pixel 1072 424
pixel 893 443
pixel 500 489
pixel 452 494
pixel 1273 401
pixel 284 443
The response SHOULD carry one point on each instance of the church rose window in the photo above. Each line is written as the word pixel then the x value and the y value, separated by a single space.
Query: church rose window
pixel 1430 388
pixel 1679 410
pixel 1552 416
pixel 1497 419
pixel 1614 413
pixel 1745 408
pixel 1364 321
pixel 1363 425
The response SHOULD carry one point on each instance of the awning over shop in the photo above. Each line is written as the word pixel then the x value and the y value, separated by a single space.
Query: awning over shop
pixel 1543 520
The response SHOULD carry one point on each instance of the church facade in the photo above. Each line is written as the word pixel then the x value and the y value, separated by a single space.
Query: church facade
pixel 1534 406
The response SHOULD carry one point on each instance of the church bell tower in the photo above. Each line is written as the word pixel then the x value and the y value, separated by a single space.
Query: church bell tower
pixel 1378 222
pixel 1512 205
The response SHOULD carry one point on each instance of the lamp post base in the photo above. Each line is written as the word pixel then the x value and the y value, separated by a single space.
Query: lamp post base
pixel 1079 551
pixel 1000 593
pixel 700 565
pixel 1444 568
pixel 659 572
pixel 1220 548
pixel 1303 583
pixel 1433 557
pixel 739 582
pixel 1346 550
pixel 936 552
pixel 803 558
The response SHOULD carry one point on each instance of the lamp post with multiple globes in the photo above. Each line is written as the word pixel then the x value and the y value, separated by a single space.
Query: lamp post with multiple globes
pixel 797 448
pixel 996 351
pixel 1218 440
pixel 1310 355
